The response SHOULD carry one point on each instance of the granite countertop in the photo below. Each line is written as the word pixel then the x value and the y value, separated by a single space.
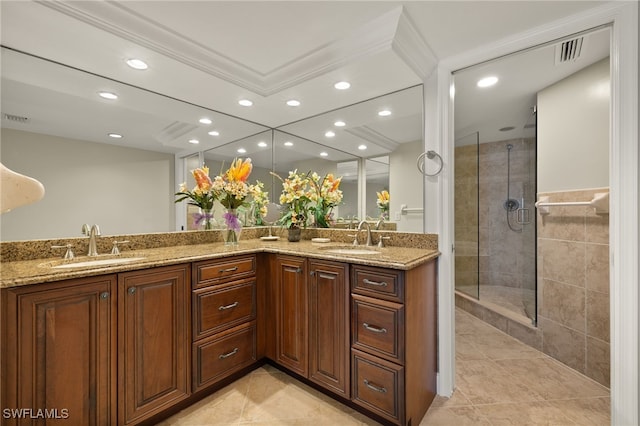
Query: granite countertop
pixel 25 272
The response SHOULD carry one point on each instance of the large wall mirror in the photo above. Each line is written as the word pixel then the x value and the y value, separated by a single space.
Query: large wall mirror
pixel 55 128
pixel 386 134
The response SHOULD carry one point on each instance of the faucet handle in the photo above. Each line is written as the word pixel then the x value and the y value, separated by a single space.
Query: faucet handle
pixel 68 254
pixel 381 241
pixel 115 249
pixel 355 238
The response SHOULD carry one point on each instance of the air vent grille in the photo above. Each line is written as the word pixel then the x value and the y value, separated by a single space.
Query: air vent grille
pixel 16 118
pixel 569 50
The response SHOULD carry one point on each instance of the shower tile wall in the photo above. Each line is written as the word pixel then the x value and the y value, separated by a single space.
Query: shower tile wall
pixel 573 284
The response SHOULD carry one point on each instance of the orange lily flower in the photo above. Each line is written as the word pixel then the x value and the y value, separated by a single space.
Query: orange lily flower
pixel 202 178
pixel 239 170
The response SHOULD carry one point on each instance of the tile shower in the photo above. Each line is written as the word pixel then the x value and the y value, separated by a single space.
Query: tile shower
pixel 562 258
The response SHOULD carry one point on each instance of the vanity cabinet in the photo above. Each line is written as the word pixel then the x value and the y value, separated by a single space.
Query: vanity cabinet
pixel 153 341
pixel 393 341
pixel 59 350
pixel 312 327
pixel 224 318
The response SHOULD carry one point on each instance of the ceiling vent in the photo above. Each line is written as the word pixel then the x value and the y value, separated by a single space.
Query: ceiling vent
pixel 15 118
pixel 569 50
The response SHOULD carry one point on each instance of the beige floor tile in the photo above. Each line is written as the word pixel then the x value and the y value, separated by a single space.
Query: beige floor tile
pixel 454 416
pixel 524 414
pixel 552 379
pixel 586 411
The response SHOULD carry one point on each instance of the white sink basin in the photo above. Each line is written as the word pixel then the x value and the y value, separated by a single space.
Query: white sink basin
pixel 346 250
pixel 97 262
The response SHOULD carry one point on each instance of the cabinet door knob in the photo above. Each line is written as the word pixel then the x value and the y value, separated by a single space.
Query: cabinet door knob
pixel 233 305
pixel 104 295
pixel 299 270
pixel 374 387
pixel 131 290
pixel 374 329
pixel 312 273
pixel 233 352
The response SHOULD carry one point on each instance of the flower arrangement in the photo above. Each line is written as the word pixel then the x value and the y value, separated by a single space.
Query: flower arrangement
pixel 202 196
pixel 326 196
pixel 260 199
pixel 231 189
pixel 295 197
pixel 383 203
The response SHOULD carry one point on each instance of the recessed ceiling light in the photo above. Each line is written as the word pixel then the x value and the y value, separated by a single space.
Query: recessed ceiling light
pixel 214 133
pixel 288 143
pixel 205 120
pixel 339 124
pixel 108 95
pixel 362 147
pixel 242 151
pixel 384 113
pixel 330 134
pixel 115 135
pixel 487 81
pixel 137 64
pixel 506 129
pixel 324 154
pixel 293 103
pixel 342 85
pixel 262 144
pixel 245 102
pixel 194 141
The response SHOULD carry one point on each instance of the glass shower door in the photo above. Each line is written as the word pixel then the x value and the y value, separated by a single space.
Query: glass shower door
pixel 466 201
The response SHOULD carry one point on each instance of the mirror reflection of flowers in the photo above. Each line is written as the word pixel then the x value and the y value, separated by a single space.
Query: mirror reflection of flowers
pixel 296 195
pixel 202 196
pixel 232 189
pixel 326 196
pixel 260 199
pixel 383 203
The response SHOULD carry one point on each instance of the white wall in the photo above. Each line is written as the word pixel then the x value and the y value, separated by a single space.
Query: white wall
pixel 121 189
pixel 573 131
pixel 406 186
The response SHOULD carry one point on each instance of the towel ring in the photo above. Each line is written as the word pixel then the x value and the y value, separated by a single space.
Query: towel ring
pixel 430 155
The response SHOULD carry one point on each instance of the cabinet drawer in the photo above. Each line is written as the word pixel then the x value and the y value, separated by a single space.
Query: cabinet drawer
pixel 378 386
pixel 377 282
pixel 216 308
pixel 218 356
pixel 217 271
pixel 378 327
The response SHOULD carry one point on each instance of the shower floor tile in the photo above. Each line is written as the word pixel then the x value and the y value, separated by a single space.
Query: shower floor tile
pixel 498 382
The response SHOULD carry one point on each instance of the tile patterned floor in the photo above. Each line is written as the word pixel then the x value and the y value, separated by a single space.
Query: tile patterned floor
pixel 499 381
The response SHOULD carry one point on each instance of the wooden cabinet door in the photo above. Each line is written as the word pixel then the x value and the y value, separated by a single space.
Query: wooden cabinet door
pixel 291 313
pixel 60 353
pixel 329 325
pixel 153 362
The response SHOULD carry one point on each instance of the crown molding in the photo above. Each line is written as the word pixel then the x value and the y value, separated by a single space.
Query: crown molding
pixel 376 138
pixel 390 31
pixel 411 47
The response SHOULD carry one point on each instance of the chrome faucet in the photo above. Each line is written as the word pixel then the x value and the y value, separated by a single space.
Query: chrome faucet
pixel 92 232
pixel 360 225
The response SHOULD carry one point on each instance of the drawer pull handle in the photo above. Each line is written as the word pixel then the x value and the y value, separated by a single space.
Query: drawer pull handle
pixel 235 268
pixel 233 305
pixel 379 284
pixel 233 352
pixel 374 387
pixel 374 329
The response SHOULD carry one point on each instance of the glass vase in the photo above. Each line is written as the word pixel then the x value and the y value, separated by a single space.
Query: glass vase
pixel 203 220
pixel 232 227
